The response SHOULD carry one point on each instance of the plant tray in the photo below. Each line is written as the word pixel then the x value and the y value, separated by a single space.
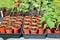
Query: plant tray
pixel 1 19
pixel 52 35
pixel 6 36
pixel 36 36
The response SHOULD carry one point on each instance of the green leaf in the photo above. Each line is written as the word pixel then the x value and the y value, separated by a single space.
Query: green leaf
pixel 45 25
pixel 42 19
pixel 50 23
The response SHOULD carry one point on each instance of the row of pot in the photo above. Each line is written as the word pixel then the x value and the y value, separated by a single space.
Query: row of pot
pixel 32 25
pixel 11 25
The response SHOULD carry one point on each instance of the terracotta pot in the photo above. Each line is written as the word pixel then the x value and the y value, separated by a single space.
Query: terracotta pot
pixel 49 31
pixel 33 31
pixel 41 31
pixel 2 30
pixel 9 31
pixel 57 32
pixel 26 31
pixel 16 30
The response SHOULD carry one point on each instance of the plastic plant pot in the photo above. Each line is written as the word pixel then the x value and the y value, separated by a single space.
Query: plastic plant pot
pixel 39 17
pixel 7 16
pixel 6 25
pixel 5 22
pixel 16 28
pixel 6 19
pixel 26 30
pixel 34 25
pixel 19 23
pixel 19 20
pixel 27 23
pixel 57 32
pixel 2 29
pixel 33 31
pixel 13 17
pixel 27 26
pixel 49 31
pixel 34 19
pixel 12 21
pixel 9 30
pixel 29 19
pixel 38 25
pixel 26 19
pixel 38 21
pixel 19 17
pixel 41 31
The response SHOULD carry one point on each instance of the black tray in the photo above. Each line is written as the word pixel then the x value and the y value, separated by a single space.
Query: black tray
pixel 36 36
pixel 52 35
pixel 6 36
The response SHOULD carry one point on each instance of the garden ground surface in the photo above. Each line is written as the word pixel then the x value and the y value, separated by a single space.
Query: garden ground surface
pixel 31 39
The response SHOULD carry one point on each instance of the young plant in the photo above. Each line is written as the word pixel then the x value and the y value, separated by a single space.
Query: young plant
pixel 50 18
pixel 10 23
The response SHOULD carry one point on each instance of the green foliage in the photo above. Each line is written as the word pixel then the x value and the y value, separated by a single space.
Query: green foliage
pixel 7 3
pixel 29 5
pixel 24 7
pixel 52 13
pixel 49 18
